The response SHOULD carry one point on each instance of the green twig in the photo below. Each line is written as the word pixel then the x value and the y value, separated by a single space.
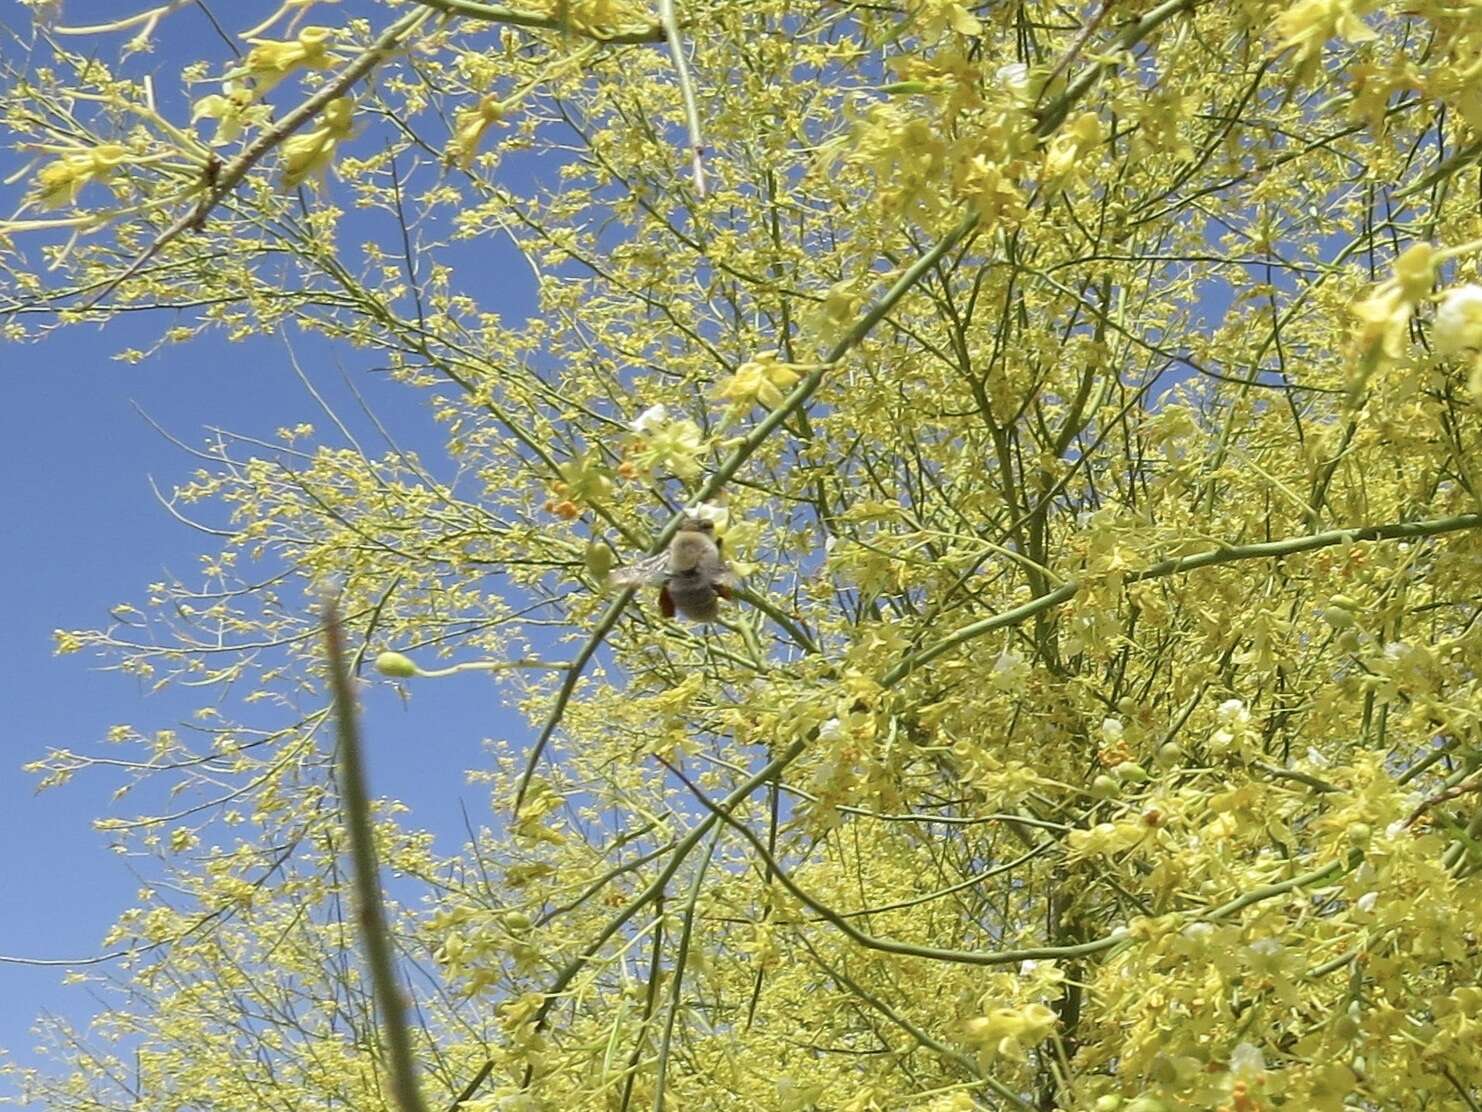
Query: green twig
pixel 1226 554
pixel 369 911
pixel 686 92
pixel 498 13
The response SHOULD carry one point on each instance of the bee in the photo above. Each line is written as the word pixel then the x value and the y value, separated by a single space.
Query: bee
pixel 692 574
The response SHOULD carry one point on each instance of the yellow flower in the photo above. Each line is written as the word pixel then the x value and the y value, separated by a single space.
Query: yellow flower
pixel 1385 314
pixel 232 110
pixel 934 17
pixel 469 127
pixel 270 61
pixel 760 379
pixel 1308 25
pixel 1066 155
pixel 1010 1031
pixel 310 154
pixel 584 479
pixel 984 185
pixel 59 182
pixel 676 446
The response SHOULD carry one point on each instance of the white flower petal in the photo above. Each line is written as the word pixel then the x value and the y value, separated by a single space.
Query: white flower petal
pixel 650 420
pixel 1458 320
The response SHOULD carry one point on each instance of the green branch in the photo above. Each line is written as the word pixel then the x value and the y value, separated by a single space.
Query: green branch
pixel 1226 554
pixel 497 13
pixel 652 892
pixel 370 914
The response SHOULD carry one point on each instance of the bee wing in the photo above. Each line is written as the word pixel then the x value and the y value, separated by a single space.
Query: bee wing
pixel 653 570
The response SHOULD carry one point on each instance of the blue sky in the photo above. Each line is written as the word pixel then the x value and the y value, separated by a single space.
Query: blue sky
pixel 84 532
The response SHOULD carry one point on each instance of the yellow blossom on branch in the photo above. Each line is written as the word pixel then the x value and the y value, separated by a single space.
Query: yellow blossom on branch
pixel 270 61
pixel 309 155
pixel 1384 316
pixel 761 379
pixel 1306 27
pixel 59 182
pixel 469 128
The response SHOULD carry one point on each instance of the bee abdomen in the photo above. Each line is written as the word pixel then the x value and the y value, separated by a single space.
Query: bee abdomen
pixel 693 597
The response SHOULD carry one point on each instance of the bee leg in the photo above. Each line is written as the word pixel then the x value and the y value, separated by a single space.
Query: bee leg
pixel 724 591
pixel 666 603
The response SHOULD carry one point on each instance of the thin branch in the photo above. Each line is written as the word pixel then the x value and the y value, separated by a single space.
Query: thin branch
pixel 370 912
pixel 653 892
pixel 687 92
pixel 1225 554
pixel 497 13
pixel 231 175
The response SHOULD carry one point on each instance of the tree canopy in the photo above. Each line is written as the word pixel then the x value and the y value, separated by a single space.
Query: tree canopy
pixel 1087 398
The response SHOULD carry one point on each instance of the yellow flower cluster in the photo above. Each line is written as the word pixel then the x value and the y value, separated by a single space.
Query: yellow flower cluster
pixel 59 182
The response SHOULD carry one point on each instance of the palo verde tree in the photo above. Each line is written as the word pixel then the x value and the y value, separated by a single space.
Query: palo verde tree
pixel 1087 398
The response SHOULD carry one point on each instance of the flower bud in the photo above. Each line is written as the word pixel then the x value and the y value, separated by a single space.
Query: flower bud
pixel 516 922
pixel 1337 617
pixel 397 666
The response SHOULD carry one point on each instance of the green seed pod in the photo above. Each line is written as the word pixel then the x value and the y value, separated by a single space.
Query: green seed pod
pixel 1359 834
pixel 1105 787
pixel 516 922
pixel 599 559
pixel 397 666
pixel 1169 754
pixel 1337 617
pixel 1129 772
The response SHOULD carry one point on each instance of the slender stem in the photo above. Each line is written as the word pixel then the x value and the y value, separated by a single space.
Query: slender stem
pixel 498 13
pixel 1266 891
pixel 676 982
pixel 1226 554
pixel 524 663
pixel 369 911
pixel 653 892
pixel 686 91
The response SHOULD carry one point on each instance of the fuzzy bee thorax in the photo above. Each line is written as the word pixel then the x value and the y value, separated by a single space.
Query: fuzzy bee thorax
pixel 689 549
